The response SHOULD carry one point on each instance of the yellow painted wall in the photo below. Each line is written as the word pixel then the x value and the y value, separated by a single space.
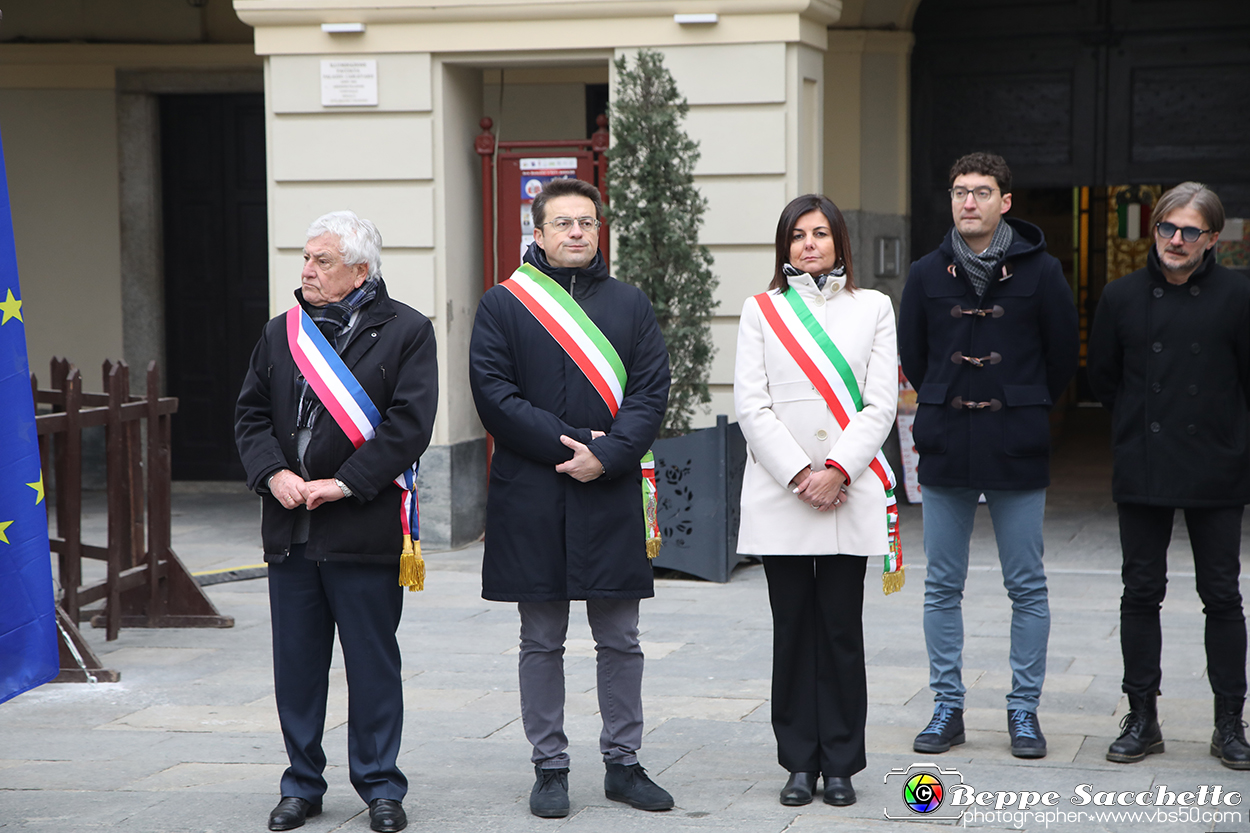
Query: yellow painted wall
pixel 61 153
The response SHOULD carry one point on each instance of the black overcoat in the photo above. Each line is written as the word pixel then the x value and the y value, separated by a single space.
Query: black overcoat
pixel 548 536
pixel 392 354
pixel 1027 344
pixel 1172 364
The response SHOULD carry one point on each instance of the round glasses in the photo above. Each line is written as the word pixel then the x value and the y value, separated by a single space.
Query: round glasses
pixel 1189 234
pixel 979 194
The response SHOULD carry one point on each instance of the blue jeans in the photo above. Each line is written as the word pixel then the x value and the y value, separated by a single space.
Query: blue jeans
pixel 1017 518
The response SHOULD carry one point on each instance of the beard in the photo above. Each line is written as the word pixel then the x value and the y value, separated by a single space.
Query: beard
pixel 1184 267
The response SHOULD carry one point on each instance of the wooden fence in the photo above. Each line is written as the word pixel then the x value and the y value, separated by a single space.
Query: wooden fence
pixel 145 584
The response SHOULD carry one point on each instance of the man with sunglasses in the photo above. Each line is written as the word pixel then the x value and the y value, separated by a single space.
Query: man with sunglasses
pixel 1169 356
pixel 570 376
pixel 988 337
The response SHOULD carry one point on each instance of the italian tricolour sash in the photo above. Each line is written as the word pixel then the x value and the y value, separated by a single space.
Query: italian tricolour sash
pixel 354 412
pixel 825 367
pixel 590 350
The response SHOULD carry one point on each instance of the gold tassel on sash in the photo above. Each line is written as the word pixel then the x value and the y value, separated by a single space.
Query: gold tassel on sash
pixel 653 546
pixel 892 582
pixel 411 566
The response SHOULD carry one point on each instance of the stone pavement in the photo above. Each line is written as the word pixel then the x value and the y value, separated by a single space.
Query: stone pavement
pixel 188 740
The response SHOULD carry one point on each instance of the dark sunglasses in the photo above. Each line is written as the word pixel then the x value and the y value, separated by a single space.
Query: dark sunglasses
pixel 1188 233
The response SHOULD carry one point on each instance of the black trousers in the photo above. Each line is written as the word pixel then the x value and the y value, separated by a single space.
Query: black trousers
pixel 1215 535
pixel 820 688
pixel 307 601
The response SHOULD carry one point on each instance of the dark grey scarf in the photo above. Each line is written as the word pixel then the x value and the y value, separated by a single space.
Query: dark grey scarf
pixel 980 267
pixel 335 320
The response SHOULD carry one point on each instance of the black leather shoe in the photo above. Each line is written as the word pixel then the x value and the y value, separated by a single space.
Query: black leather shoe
pixel 945 729
pixel 1027 740
pixel 838 791
pixel 1228 742
pixel 549 799
pixel 799 789
pixel 291 813
pixel 1139 732
pixel 386 815
pixel 631 785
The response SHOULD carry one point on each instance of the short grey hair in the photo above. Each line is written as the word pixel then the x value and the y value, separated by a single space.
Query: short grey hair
pixel 1187 194
pixel 359 240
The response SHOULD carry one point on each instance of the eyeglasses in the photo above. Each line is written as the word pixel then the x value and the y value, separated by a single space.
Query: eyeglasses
pixel 563 224
pixel 981 194
pixel 1189 234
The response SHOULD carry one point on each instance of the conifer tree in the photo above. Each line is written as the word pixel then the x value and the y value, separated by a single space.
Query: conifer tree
pixel 656 214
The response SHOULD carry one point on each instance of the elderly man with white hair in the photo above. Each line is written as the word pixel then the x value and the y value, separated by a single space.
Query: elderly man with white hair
pixel 336 410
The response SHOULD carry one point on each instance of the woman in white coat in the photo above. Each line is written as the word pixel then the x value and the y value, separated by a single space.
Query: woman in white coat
pixel 811 506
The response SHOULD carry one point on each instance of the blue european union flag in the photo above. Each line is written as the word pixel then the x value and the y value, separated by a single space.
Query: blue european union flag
pixel 29 655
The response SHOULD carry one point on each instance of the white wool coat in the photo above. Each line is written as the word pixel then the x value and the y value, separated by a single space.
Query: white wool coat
pixel 787 426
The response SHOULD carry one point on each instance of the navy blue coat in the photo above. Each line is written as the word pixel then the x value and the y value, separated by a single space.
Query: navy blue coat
pixel 1028 346
pixel 548 536
pixel 1172 364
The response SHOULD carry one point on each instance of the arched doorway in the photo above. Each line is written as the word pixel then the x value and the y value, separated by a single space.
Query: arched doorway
pixel 1079 97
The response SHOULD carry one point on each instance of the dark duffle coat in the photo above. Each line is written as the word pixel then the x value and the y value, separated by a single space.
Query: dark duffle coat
pixel 548 536
pixel 392 354
pixel 1027 345
pixel 1172 364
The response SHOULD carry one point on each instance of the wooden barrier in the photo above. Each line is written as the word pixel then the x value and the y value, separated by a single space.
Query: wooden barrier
pixel 145 585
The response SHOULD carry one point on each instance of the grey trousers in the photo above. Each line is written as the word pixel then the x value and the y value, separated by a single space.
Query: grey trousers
pixel 614 624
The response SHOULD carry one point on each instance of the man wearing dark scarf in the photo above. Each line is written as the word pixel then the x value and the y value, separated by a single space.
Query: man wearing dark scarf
pixel 332 520
pixel 988 337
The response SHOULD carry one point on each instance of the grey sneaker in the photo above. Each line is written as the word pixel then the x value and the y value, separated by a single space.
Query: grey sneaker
pixel 549 799
pixel 945 730
pixel 1027 740
pixel 631 785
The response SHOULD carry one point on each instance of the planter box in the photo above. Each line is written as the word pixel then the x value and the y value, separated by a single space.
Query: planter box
pixel 699 480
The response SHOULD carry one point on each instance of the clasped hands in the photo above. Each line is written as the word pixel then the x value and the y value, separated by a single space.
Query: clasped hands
pixel 291 490
pixel 822 490
pixel 584 466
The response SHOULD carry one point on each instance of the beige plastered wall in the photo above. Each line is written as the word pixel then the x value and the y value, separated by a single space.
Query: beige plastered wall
pixel 59 123
pixel 754 82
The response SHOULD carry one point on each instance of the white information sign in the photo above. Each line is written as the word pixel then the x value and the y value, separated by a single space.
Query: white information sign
pixel 349 83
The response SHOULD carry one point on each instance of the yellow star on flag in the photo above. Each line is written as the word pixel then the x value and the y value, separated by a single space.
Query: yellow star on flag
pixel 38 487
pixel 12 308
pixel 3 526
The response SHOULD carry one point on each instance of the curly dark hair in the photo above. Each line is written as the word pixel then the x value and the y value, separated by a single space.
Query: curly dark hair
pixel 985 164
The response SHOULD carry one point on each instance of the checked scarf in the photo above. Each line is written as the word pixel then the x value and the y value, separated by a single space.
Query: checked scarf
pixel 981 266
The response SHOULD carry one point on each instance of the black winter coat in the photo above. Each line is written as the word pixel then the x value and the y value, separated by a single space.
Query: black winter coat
pixel 392 354
pixel 1172 364
pixel 548 536
pixel 1027 345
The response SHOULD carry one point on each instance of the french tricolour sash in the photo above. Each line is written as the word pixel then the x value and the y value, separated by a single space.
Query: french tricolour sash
pixel 825 367
pixel 590 350
pixel 354 412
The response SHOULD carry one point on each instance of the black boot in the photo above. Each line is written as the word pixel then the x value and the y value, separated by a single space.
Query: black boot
pixel 1229 741
pixel 1139 732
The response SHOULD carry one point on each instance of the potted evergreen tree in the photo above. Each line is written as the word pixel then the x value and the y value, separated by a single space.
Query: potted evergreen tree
pixel 656 213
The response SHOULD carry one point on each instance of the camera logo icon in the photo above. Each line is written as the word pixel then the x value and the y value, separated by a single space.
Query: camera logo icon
pixel 923 790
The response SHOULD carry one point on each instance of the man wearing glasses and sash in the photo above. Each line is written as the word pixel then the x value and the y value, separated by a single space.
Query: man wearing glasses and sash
pixel 988 337
pixel 1169 356
pixel 570 375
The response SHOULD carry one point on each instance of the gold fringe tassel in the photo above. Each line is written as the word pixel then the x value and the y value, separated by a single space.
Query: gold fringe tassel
pixel 653 546
pixel 411 566
pixel 892 582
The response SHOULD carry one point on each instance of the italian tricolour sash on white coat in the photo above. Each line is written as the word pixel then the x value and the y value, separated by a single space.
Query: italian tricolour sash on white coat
pixel 827 369
pixel 354 412
pixel 594 355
